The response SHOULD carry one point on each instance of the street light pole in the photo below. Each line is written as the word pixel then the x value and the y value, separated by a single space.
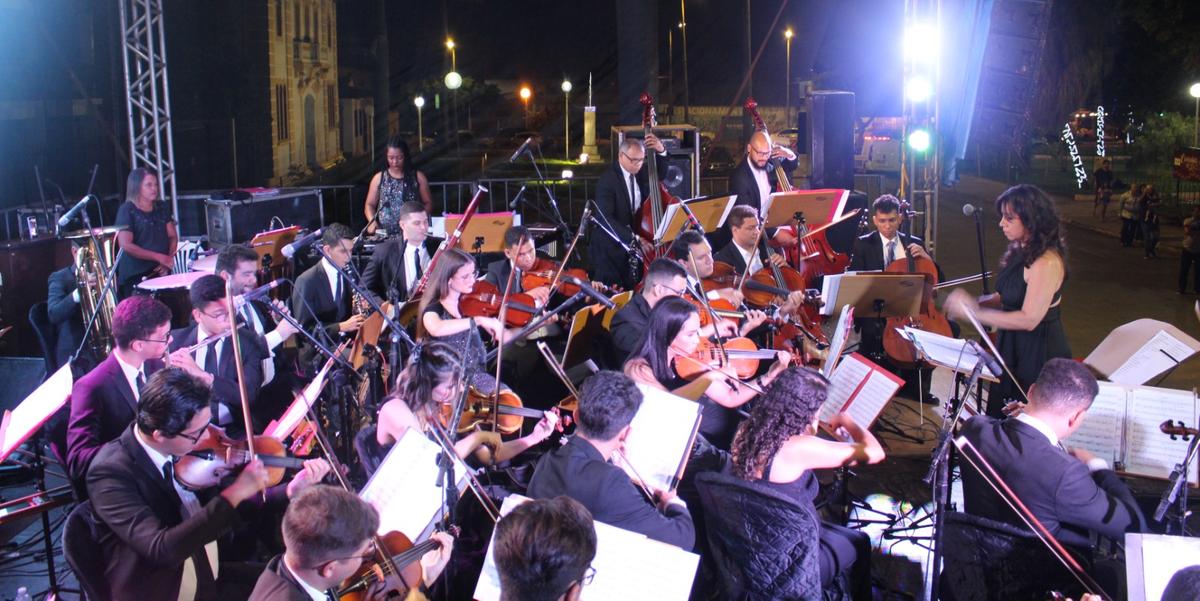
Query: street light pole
pixel 453 54
pixel 420 102
pixel 525 94
pixel 1195 92
pixel 787 80
pixel 566 88
pixel 687 98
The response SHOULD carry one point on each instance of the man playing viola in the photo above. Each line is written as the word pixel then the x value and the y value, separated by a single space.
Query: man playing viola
pixel 519 249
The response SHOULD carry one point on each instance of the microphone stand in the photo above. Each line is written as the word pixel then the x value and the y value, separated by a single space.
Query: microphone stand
pixel 534 325
pixel 1174 499
pixel 105 291
pixel 635 253
pixel 325 350
pixel 982 258
pixel 560 223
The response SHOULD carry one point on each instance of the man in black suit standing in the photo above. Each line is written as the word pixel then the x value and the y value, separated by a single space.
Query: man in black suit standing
pixel 1071 491
pixel 320 298
pixel 397 265
pixel 214 363
pixel 328 532
pixel 744 226
pixel 105 401
pixel 156 538
pixel 619 197
pixel 754 180
pixel 581 469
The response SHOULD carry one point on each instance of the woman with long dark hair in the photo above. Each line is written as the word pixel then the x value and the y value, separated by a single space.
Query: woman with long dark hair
pixel 778 445
pixel 150 237
pixel 673 331
pixel 398 183
pixel 1026 305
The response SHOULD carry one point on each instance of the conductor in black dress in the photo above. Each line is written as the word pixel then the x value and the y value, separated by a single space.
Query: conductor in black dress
pixel 619 197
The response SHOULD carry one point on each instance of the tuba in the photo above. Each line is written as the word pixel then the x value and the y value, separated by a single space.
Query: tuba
pixel 93 258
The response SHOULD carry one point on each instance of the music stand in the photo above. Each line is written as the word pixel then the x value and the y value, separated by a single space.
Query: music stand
pixel 817 207
pixel 584 335
pixel 305 399
pixel 18 426
pixel 710 212
pixel 879 295
pixel 484 233
pixel 270 243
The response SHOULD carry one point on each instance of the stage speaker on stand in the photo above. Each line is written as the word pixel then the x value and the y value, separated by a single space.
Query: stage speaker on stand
pixel 682 142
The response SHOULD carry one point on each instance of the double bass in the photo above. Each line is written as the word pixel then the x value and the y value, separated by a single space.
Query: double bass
pixel 655 206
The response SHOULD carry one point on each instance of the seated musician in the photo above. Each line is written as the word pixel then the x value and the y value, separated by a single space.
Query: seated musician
pixel 214 363
pixel 544 550
pixel 692 252
pixel 452 278
pixel 1072 492
pixel 744 228
pixel 104 402
pixel 320 298
pixel 66 317
pixel 397 265
pixel 583 470
pixel 664 279
pixel 874 252
pixel 778 445
pixel 239 263
pixel 424 390
pixel 156 538
pixel 674 332
pixel 518 248
pixel 328 533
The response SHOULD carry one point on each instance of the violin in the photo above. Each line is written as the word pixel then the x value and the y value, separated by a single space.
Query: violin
pixel 484 301
pixel 900 350
pixel 481 408
pixel 740 355
pixel 401 555
pixel 543 274
pixel 792 329
pixel 655 206
pixel 1177 428
pixel 217 456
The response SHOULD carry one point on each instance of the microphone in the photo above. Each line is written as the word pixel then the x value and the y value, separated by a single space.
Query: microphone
pixel 970 210
pixel 79 206
pixel 262 290
pixel 290 250
pixel 988 360
pixel 588 290
pixel 521 150
pixel 512 206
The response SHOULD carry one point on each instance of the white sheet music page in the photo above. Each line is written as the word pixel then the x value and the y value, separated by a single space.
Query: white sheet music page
pixel 841 332
pixel 865 386
pixel 1101 430
pixel 628 566
pixel 829 290
pixel 658 436
pixel 301 404
pixel 1162 352
pixel 943 350
pixel 28 416
pixel 1150 452
pixel 1161 556
pixel 404 490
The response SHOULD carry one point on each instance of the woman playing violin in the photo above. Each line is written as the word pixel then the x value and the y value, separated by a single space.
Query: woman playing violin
pixel 778 445
pixel 427 384
pixel 673 335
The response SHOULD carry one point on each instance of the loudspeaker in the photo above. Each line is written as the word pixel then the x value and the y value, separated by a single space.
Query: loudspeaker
pixel 831 121
pixel 678 175
pixel 682 143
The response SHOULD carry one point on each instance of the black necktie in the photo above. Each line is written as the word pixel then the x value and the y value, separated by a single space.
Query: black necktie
pixel 891 252
pixel 211 360
pixel 416 255
pixel 337 289
pixel 141 381
pixel 633 195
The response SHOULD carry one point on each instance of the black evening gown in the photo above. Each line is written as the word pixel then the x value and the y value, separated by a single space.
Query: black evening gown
pixel 1024 352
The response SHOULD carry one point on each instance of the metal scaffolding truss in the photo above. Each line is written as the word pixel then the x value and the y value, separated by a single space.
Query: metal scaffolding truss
pixel 147 95
pixel 920 171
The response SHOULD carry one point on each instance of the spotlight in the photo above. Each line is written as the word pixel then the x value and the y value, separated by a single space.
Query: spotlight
pixel 921 43
pixel 918 89
pixel 918 140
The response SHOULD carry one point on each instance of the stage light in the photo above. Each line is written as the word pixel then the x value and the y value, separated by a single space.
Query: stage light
pixel 568 174
pixel 921 43
pixel 918 89
pixel 918 140
pixel 453 80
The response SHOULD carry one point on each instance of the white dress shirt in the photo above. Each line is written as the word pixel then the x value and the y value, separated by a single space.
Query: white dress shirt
pixel 751 258
pixel 410 276
pixel 764 189
pixel 131 375
pixel 899 252
pixel 313 592
pixel 636 201
pixel 332 274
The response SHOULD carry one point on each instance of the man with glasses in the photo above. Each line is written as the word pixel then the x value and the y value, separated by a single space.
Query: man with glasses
pixel 544 550
pixel 754 180
pixel 328 534
pixel 156 538
pixel 619 197
pixel 104 402
pixel 214 363
pixel 664 279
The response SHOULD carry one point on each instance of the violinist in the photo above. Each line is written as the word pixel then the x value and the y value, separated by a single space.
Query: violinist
pixel 619 197
pixel 664 279
pixel 744 227
pixel 328 533
pixel 754 180
pixel 674 333
pixel 544 550
pixel 519 249
pixel 156 538
pixel 397 265
pixel 426 386
pixel 874 252
pixel 585 469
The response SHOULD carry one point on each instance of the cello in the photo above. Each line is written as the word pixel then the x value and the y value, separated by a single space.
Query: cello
pixel 899 349
pixel 652 211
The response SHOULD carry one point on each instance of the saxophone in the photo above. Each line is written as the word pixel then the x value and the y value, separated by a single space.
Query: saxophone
pixel 91 270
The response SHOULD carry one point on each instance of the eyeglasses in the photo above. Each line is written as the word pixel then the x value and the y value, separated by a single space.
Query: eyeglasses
pixel 367 555
pixel 673 291
pixel 588 576
pixel 194 438
pixel 221 316
pixel 634 160
pixel 760 153
pixel 163 341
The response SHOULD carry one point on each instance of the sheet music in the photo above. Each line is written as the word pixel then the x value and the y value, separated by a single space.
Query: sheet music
pixel 404 490
pixel 844 382
pixel 1153 559
pixel 837 344
pixel 943 350
pixel 658 436
pixel 628 566
pixel 300 405
pixel 1150 452
pixel 28 416
pixel 1159 354
pixel 864 385
pixel 1100 432
pixel 829 290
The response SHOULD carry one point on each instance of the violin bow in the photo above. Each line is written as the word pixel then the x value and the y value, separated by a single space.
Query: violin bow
pixel 442 437
pixel 508 286
pixel 1001 488
pixel 235 340
pixel 562 266
pixel 637 478
pixel 995 353
pixel 557 368
pixel 746 272
pixel 703 298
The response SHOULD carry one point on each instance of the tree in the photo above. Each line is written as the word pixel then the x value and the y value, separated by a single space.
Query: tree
pixel 1159 137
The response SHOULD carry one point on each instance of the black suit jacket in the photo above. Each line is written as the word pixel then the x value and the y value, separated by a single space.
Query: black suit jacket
pixel 868 252
pixel 1056 487
pixel 143 537
pixel 313 304
pixel 64 313
pixel 579 471
pixel 629 325
pixel 731 255
pixel 225 384
pixel 102 406
pixel 610 263
pixel 497 275
pixel 742 183
pixel 277 583
pixel 387 269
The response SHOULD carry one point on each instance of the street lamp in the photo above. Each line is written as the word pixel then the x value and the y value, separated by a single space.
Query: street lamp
pixel 787 80
pixel 526 93
pixel 453 55
pixel 1195 92
pixel 420 102
pixel 566 88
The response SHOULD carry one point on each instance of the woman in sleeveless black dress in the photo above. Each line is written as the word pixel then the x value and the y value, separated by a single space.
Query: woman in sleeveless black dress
pixel 1026 305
